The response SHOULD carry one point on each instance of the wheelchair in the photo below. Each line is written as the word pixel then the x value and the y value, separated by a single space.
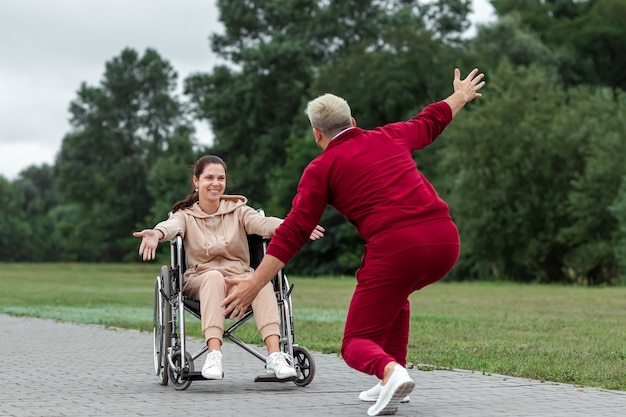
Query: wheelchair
pixel 172 361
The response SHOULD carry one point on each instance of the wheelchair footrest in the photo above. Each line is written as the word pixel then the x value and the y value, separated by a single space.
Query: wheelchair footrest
pixel 193 376
pixel 272 378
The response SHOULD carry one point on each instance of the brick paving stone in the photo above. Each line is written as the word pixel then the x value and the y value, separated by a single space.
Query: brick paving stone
pixel 49 368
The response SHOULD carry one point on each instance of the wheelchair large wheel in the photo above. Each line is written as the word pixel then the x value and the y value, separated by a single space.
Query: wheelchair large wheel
pixel 161 324
pixel 176 375
pixel 305 365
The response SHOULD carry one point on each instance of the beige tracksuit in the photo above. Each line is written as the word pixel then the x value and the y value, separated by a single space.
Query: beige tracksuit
pixel 216 246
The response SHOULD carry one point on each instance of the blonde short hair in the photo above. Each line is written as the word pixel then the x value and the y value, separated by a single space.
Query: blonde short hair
pixel 329 113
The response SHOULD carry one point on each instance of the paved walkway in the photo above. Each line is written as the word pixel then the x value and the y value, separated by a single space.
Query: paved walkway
pixel 49 368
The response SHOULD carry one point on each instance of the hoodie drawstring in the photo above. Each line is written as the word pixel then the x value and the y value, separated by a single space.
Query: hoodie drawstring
pixel 206 237
pixel 224 231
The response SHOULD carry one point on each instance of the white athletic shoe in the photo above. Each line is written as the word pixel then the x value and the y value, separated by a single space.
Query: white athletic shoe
pixel 281 365
pixel 399 385
pixel 371 395
pixel 212 368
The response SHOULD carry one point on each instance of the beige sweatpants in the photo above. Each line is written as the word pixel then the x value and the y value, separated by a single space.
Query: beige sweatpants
pixel 210 289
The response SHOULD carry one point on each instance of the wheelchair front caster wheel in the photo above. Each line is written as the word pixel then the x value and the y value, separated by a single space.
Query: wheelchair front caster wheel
pixel 179 373
pixel 305 365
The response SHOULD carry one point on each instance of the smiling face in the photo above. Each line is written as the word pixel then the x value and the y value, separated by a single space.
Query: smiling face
pixel 211 185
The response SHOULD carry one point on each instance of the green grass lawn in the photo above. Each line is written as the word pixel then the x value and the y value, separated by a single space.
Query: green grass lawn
pixel 555 333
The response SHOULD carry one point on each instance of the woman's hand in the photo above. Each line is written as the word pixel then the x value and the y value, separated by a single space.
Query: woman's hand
pixel 149 243
pixel 317 233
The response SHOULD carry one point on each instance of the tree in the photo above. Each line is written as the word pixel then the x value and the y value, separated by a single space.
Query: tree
pixel 120 130
pixel 13 227
pixel 35 199
pixel 618 209
pixel 588 35
pixel 169 178
pixel 509 38
pixel 599 42
pixel 275 49
pixel 530 179
pixel 507 170
pixel 385 83
pixel 447 19
pixel 281 54
pixel 27 232
pixel 594 233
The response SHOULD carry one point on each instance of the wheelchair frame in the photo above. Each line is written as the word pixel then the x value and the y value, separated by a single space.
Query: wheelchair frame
pixel 173 363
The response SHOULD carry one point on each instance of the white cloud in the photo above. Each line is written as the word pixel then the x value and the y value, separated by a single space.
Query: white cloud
pixel 17 156
pixel 49 47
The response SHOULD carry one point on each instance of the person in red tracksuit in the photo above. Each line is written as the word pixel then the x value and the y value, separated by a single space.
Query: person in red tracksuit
pixel 370 177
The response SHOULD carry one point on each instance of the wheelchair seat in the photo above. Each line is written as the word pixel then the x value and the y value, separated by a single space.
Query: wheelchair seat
pixel 256 245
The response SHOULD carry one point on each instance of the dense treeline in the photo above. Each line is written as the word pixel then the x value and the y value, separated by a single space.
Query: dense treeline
pixel 535 172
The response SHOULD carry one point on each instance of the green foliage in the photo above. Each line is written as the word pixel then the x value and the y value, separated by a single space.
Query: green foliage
pixel 338 253
pixel 277 48
pixel 590 33
pixel 121 129
pixel 249 105
pixel 13 227
pixel 35 196
pixel 508 38
pixel 598 37
pixel 543 17
pixel 508 166
pixel 382 58
pixel 170 177
pixel 27 230
pixel 447 19
pixel 594 231
pixel 299 152
pixel 393 81
pixel 532 173
pixel 618 209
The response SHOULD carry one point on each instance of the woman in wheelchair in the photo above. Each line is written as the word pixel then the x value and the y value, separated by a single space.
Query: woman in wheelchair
pixel 214 229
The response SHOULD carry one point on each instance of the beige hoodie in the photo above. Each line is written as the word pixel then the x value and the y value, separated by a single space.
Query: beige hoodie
pixel 218 241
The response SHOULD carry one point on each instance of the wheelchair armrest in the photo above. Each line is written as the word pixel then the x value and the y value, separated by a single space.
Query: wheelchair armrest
pixel 257 245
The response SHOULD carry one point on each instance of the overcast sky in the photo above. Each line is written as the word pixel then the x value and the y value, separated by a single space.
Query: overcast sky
pixel 49 47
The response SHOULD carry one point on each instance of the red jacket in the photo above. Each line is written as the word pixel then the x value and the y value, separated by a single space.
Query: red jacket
pixel 370 177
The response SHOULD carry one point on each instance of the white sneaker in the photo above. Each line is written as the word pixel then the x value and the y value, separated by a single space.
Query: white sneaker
pixel 212 368
pixel 281 365
pixel 399 385
pixel 371 395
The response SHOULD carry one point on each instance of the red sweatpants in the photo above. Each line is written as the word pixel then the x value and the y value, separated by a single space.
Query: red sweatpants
pixel 394 265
